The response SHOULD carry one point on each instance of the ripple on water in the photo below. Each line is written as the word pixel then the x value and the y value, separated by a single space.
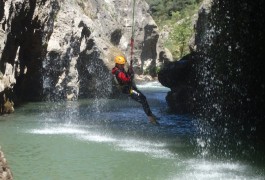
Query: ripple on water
pixel 57 130
pixel 154 149
pixel 204 170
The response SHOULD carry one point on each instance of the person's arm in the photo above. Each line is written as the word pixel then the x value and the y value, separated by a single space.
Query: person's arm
pixel 125 79
pixel 131 72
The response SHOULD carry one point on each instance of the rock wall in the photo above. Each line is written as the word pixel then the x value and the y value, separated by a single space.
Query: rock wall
pixel 64 49
pixel 5 172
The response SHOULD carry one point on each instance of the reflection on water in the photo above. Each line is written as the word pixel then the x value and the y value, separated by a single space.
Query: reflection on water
pixel 109 139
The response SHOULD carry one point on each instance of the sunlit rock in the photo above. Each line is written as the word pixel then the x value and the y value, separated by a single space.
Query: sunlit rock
pixel 44 41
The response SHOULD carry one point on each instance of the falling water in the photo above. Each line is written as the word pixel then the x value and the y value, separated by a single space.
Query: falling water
pixel 229 111
pixel 101 81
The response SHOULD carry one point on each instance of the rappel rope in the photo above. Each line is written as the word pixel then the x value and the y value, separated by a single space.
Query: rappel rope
pixel 132 37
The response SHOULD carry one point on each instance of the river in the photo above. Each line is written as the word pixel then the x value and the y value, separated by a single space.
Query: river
pixel 110 139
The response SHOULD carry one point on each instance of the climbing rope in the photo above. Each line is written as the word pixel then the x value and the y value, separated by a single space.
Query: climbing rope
pixel 132 37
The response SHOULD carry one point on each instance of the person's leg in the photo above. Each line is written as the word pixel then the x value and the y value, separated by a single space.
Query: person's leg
pixel 139 97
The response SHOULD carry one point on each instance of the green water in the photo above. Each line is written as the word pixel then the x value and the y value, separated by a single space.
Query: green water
pixel 108 139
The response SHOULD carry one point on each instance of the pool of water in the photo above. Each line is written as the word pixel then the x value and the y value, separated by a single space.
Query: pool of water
pixel 109 139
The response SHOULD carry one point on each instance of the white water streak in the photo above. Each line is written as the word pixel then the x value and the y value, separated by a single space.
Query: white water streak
pixel 87 134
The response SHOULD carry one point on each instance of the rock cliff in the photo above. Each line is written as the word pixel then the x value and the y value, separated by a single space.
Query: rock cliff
pixel 224 80
pixel 64 49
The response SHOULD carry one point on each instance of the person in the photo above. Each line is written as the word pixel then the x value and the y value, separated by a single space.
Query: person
pixel 125 81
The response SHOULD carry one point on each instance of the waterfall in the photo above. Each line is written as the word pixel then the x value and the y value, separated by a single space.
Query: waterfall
pixel 230 79
pixel 100 83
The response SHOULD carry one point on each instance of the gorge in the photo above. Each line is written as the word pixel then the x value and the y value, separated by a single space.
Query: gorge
pixel 54 51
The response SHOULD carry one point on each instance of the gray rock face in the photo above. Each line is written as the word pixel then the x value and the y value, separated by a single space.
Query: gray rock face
pixel 65 49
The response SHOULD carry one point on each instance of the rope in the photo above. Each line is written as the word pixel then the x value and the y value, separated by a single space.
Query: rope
pixel 132 37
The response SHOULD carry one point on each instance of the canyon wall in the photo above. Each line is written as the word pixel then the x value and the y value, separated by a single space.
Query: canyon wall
pixel 64 49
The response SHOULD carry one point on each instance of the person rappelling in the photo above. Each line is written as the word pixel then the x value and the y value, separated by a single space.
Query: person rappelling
pixel 125 81
pixel 125 78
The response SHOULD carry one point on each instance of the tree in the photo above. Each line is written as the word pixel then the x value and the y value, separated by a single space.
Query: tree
pixel 180 36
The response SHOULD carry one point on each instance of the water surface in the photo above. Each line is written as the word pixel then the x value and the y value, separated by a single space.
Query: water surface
pixel 109 139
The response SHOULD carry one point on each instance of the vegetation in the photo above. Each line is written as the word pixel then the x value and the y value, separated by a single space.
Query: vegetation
pixel 175 17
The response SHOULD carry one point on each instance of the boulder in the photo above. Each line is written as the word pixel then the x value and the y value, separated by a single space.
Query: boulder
pixel 179 77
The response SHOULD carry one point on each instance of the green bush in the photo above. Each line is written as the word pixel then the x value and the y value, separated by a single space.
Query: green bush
pixel 176 15
pixel 180 35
